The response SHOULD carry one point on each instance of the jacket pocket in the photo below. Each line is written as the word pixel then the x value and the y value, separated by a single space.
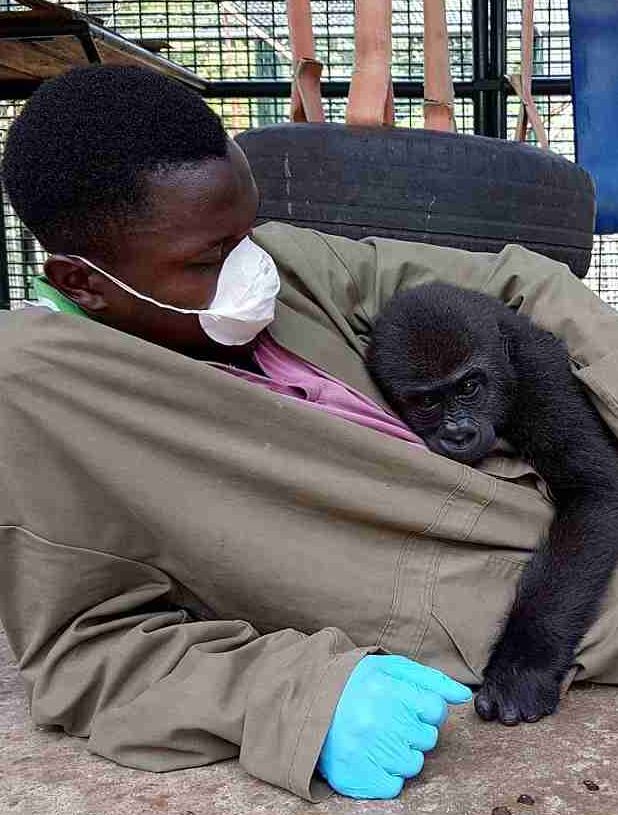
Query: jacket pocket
pixel 473 594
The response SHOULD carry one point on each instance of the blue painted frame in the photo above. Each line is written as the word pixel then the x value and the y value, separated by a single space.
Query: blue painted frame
pixel 594 79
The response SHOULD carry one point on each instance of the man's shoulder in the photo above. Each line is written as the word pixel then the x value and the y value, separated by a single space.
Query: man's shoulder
pixel 281 231
pixel 274 231
pixel 297 247
pixel 293 248
pixel 27 335
pixel 20 320
pixel 270 227
pixel 18 328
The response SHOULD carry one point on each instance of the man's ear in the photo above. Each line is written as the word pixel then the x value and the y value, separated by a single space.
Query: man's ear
pixel 73 278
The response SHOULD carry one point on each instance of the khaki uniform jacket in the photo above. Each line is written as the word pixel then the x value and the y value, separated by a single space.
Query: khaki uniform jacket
pixel 192 565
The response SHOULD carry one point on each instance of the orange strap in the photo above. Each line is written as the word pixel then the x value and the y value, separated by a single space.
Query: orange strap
pixel 439 95
pixel 370 101
pixel 522 83
pixel 306 100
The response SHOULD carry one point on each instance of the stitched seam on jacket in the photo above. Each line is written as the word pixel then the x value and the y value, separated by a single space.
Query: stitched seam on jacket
pixel 506 559
pixel 331 647
pixel 478 509
pixel 464 477
pixel 169 578
pixel 428 592
pixel 85 549
pixel 607 394
pixel 349 274
pixel 473 667
pixel 491 274
pixel 403 556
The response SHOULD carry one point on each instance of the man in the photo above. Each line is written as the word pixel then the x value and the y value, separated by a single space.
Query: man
pixel 213 529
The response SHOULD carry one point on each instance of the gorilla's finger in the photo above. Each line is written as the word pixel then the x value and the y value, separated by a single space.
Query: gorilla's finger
pixel 508 713
pixel 485 706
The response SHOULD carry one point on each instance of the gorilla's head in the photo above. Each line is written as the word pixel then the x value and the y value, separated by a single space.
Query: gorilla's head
pixel 441 361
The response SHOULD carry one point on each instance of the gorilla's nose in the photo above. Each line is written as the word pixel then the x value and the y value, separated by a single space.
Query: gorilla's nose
pixel 462 433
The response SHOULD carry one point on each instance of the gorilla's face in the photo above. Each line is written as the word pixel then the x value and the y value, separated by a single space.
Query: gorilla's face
pixel 442 361
pixel 460 415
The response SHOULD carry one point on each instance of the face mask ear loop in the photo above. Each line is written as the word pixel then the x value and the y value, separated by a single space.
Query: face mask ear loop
pixel 136 293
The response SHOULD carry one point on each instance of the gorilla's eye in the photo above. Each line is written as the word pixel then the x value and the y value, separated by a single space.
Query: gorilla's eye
pixel 427 402
pixel 468 387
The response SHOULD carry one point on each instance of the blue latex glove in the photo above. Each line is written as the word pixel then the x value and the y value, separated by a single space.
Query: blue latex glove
pixel 387 716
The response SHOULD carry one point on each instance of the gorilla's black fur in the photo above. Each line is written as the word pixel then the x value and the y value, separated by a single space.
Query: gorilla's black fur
pixel 461 368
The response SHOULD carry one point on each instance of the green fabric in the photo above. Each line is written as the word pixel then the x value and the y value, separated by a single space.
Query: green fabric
pixel 46 292
pixel 192 566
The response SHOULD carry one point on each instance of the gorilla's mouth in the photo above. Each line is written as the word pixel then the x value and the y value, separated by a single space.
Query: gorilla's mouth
pixel 466 448
pixel 459 445
pixel 464 451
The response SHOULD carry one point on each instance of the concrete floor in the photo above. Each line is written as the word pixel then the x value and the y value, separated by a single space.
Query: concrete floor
pixel 477 769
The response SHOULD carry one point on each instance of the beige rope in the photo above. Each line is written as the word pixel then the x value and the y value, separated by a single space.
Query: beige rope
pixel 306 99
pixel 439 94
pixel 522 82
pixel 370 101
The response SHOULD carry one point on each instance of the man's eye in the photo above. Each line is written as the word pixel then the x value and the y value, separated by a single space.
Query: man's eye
pixel 204 266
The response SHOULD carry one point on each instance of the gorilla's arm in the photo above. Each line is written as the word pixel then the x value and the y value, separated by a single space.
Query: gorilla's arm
pixel 454 363
pixel 557 600
pixel 563 584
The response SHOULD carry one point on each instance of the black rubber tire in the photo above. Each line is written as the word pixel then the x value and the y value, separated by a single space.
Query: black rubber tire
pixel 470 192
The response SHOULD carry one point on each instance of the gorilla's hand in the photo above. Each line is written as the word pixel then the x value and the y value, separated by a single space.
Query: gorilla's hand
pixel 514 695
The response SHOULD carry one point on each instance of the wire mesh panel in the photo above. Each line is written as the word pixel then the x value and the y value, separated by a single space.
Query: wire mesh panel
pixel 247 40
pixel 603 275
pixel 24 256
pixel 552 59
pixel 552 54
pixel 557 115
pixel 240 114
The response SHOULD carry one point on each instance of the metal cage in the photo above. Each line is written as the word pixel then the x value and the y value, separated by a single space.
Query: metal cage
pixel 240 51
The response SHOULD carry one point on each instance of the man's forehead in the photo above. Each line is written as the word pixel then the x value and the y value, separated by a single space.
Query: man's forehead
pixel 195 187
pixel 192 209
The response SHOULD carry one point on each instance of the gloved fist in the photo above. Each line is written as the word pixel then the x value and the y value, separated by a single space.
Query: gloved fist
pixel 387 716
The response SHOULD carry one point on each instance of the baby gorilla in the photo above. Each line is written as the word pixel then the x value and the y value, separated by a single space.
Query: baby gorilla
pixel 461 369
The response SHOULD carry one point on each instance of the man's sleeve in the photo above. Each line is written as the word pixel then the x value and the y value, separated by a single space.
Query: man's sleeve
pixel 106 656
pixel 544 289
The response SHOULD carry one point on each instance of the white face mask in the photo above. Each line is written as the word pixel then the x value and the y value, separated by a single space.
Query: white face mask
pixel 244 302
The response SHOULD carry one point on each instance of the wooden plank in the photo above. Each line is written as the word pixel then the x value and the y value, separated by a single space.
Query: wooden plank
pixel 11 73
pixel 42 59
pixel 115 56
pixel 115 50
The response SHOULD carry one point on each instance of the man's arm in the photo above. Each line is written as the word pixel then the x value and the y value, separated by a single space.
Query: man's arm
pixel 106 656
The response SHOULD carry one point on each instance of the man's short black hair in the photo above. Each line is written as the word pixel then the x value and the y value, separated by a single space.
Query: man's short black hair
pixel 76 157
